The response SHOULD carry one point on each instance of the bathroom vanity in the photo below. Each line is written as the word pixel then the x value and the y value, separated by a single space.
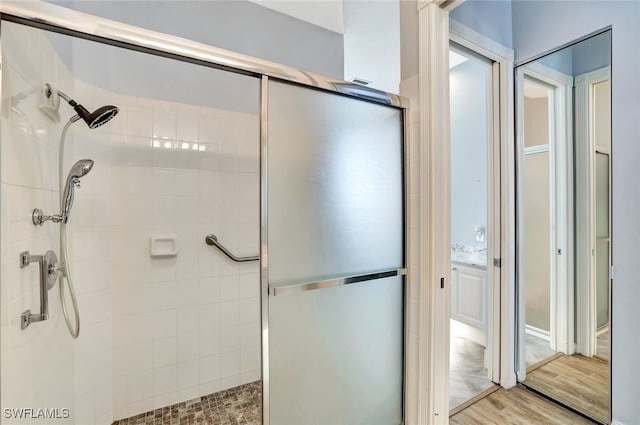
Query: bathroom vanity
pixel 469 291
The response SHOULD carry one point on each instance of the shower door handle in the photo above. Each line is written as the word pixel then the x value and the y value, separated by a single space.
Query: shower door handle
pixel 48 276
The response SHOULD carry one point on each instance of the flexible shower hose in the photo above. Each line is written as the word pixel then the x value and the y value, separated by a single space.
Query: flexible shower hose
pixel 66 274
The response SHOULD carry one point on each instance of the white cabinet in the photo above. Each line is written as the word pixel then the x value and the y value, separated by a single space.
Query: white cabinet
pixel 469 295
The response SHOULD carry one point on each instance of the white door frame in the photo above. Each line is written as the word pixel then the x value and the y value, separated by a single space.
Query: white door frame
pixel 586 325
pixel 435 211
pixel 562 249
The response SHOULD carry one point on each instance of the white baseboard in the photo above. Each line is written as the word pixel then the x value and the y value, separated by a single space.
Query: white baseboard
pixel 538 333
pixel 616 423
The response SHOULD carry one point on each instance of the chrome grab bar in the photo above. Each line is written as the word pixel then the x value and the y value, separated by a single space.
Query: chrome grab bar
pixel 212 240
pixel 48 276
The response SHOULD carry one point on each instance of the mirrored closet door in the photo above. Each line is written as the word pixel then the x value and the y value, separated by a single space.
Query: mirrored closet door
pixel 563 109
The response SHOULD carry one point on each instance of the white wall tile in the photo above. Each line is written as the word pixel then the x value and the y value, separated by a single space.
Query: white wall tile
pixel 230 338
pixel 209 341
pixel 165 380
pixel 189 393
pixel 210 387
pixel 120 392
pixel 187 318
pixel 230 363
pixel 229 288
pixel 164 324
pixel 210 369
pixel 166 399
pixel 230 381
pixel 163 295
pixel 249 310
pixel 249 285
pixel 188 346
pixel 208 290
pixel 164 181
pixel 140 406
pixel 249 334
pixel 249 359
pixel 164 352
pixel 251 376
pixel 188 374
pixel 230 313
pixel 164 124
pixel 187 123
pixel 139 121
pixel 140 385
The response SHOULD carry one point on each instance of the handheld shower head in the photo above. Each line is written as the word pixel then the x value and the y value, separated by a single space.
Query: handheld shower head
pixel 79 169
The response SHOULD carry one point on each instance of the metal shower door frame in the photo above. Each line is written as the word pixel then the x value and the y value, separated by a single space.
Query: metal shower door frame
pixel 80 25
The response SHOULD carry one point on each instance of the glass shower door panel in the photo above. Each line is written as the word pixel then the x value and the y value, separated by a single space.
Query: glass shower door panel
pixel 335 186
pixel 335 210
pixel 336 355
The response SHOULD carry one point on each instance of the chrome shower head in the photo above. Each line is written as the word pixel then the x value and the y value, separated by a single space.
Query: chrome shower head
pixel 79 169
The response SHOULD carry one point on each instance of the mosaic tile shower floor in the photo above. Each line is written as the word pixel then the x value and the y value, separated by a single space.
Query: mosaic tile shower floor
pixel 236 406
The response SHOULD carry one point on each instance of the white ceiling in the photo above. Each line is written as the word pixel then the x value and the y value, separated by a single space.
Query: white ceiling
pixel 323 13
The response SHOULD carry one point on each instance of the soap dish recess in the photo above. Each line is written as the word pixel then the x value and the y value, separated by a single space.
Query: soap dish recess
pixel 163 246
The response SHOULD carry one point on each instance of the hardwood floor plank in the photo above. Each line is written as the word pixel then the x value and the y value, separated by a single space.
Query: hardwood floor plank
pixel 577 381
pixel 516 406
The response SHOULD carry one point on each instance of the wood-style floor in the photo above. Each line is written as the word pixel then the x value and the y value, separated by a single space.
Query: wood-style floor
pixel 516 406
pixel 577 381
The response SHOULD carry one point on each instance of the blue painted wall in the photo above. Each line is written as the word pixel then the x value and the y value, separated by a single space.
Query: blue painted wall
pixel 491 18
pixel 237 25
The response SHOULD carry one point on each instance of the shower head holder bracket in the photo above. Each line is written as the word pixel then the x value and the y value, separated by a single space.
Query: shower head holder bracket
pixel 38 217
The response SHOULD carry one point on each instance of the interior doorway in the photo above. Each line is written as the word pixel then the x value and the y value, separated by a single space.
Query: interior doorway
pixel 475 223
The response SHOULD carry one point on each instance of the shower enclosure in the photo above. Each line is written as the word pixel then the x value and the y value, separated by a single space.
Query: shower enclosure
pixel 238 250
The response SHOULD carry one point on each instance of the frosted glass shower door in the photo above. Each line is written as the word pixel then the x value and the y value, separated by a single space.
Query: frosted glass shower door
pixel 333 254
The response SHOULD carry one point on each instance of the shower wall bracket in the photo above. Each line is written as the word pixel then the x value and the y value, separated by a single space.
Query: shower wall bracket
pixel 38 217
pixel 48 276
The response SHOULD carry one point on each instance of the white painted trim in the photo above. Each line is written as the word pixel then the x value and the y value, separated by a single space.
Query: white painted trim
pixel 465 36
pixel 616 423
pixel 536 149
pixel 561 161
pixel 435 245
pixel 508 226
pixel 521 369
pixel 586 316
pixel 537 332
pixel 548 75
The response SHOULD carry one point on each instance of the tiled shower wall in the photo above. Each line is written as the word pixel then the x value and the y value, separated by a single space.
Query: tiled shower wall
pixel 187 325
pixel 154 330
pixel 37 363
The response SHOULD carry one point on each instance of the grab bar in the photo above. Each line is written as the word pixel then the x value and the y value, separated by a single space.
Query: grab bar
pixel 48 276
pixel 212 240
